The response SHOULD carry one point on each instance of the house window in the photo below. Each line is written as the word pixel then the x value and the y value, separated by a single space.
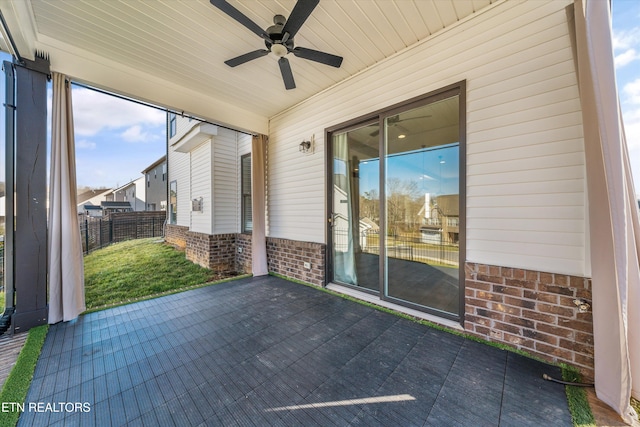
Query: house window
pixel 172 125
pixel 247 218
pixel 164 171
pixel 173 202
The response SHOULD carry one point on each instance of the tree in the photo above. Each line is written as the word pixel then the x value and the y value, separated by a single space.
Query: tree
pixel 370 205
pixel 403 205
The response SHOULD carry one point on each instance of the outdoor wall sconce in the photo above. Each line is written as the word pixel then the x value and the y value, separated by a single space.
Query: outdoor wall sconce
pixel 304 146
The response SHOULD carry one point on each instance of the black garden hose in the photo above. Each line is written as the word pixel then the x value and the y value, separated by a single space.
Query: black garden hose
pixel 548 378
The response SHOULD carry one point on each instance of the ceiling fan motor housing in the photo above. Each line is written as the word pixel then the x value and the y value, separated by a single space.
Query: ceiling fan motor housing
pixel 276 34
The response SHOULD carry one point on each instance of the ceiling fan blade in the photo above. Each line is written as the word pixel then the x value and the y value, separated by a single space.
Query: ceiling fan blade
pixel 299 14
pixel 234 62
pixel 316 55
pixel 240 17
pixel 287 75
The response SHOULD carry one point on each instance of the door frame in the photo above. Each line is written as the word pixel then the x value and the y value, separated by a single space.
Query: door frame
pixel 379 116
pixel 343 127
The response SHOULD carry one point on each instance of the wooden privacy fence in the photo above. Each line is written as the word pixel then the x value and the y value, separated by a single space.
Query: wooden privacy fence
pixel 99 232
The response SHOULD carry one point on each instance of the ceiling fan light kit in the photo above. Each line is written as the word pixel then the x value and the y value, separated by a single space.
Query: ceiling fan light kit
pixel 278 38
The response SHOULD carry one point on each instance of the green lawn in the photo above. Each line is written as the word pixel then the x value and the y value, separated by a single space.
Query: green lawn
pixel 136 269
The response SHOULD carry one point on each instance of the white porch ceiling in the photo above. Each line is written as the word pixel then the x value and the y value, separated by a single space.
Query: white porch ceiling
pixel 176 50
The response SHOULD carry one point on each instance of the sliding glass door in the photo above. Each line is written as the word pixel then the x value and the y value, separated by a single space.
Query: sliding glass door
pixel 356 207
pixel 395 206
pixel 421 205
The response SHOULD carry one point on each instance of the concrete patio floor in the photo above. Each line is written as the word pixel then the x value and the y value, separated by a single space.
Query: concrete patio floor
pixel 266 351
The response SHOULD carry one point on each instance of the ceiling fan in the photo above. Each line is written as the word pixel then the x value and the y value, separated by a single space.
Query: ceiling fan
pixel 278 38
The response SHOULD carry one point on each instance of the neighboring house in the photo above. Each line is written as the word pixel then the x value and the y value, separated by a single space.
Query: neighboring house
pixel 109 196
pixel 90 195
pixel 209 167
pixel 155 176
pixel 440 219
pixel 478 101
pixel 89 201
pixel 115 207
pixel 92 211
pixel 132 192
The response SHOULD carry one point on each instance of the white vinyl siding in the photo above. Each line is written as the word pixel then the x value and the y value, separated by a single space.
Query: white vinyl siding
pixel 180 171
pixel 201 188
pixel 183 125
pixel 525 161
pixel 244 144
pixel 179 164
pixel 211 171
pixel 225 182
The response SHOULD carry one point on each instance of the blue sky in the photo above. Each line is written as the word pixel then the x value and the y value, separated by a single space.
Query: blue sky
pixel 117 139
pixel 626 44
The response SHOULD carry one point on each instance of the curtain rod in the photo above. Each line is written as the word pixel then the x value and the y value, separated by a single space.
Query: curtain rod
pixel 157 107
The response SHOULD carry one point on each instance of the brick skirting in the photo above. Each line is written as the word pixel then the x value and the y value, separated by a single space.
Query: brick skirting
pixel 232 253
pixel 216 252
pixel 219 252
pixel 532 311
pixel 176 235
pixel 287 257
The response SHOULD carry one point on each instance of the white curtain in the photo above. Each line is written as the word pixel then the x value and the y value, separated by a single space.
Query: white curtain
pixel 343 239
pixel 613 215
pixel 66 269
pixel 258 206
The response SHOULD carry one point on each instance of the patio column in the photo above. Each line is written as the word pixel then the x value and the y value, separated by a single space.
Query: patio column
pixel 28 237
pixel 613 216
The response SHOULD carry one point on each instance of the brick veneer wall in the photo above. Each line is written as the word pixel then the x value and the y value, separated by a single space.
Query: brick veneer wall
pixel 531 310
pixel 176 235
pixel 217 252
pixel 287 257
pixel 243 258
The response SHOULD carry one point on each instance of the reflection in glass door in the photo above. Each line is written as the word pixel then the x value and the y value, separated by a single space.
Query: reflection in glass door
pixel 395 204
pixel 421 205
pixel 356 207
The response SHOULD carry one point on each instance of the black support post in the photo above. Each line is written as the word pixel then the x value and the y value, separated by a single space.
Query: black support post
pixel 30 235
pixel 9 105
